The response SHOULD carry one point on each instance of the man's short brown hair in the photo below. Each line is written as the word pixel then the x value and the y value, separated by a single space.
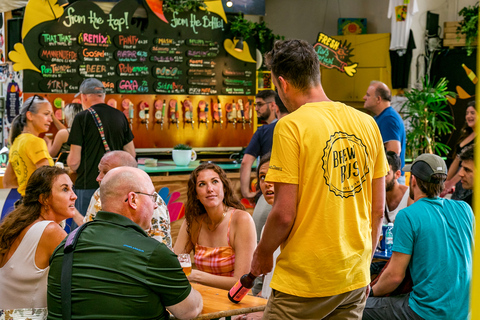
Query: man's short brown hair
pixel 432 189
pixel 296 61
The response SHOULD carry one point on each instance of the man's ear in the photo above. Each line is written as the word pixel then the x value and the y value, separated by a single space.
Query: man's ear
pixel 284 85
pixel 398 174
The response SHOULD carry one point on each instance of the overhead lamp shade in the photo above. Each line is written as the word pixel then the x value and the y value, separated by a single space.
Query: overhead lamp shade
pixel 239 45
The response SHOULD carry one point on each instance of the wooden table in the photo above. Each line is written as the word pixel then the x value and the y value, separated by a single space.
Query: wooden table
pixel 216 303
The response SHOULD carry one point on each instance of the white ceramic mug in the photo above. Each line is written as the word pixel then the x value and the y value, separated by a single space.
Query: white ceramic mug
pixel 182 158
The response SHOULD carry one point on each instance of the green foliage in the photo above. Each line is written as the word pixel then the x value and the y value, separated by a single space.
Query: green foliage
pixel 241 27
pixel 426 109
pixel 182 147
pixel 183 5
pixel 469 26
pixel 264 37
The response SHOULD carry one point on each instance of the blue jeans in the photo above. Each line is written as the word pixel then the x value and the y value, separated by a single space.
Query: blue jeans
pixel 82 202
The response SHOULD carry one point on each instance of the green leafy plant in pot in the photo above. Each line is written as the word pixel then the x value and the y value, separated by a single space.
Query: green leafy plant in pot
pixel 427 111
pixel 182 154
pixel 469 26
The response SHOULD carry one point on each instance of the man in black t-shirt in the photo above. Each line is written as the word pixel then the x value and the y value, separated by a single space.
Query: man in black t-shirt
pixel 87 146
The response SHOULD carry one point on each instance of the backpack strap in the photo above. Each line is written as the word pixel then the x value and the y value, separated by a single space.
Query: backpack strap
pixel 66 276
pixel 99 124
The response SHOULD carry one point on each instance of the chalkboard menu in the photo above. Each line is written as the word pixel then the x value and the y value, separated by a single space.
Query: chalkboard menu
pixel 184 56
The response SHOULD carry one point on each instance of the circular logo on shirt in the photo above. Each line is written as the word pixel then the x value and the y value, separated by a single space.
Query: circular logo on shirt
pixel 345 164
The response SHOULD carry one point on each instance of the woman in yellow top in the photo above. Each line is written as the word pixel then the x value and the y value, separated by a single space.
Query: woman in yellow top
pixel 27 151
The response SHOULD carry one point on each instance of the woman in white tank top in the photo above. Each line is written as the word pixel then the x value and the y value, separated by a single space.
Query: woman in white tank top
pixel 28 238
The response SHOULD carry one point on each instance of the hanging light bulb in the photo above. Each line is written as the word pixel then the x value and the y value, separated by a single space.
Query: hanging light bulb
pixel 229 3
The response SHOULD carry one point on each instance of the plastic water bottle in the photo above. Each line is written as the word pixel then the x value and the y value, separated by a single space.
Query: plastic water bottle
pixel 389 238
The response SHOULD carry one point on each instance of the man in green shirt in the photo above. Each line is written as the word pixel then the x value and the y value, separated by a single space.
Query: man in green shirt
pixel 119 272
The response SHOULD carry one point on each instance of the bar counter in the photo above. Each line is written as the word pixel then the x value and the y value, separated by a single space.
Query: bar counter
pixel 165 167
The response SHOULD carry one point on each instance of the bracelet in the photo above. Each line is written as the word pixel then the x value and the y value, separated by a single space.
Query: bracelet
pixel 371 293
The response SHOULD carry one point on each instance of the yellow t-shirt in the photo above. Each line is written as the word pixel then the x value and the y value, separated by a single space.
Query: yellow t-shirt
pixel 26 151
pixel 332 152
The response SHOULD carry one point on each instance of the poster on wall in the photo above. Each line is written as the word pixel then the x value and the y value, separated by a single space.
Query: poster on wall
pixel 333 53
pixel 178 53
pixel 2 38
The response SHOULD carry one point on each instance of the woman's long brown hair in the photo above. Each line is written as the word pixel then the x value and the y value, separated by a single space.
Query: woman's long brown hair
pixel 194 209
pixel 39 188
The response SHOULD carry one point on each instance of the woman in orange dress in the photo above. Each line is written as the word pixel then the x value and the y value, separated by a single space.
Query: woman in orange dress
pixel 217 229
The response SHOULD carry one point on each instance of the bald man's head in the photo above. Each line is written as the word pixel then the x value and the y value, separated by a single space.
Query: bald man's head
pixel 112 160
pixel 127 191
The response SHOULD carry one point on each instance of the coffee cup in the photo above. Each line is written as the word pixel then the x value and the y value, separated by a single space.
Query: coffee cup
pixel 182 158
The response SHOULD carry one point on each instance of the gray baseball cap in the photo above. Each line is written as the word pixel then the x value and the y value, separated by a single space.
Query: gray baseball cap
pixel 91 85
pixel 426 165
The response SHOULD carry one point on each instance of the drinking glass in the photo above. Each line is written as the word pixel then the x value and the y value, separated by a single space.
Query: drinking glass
pixel 185 262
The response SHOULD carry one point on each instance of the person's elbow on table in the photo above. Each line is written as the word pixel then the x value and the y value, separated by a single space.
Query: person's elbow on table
pixel 188 308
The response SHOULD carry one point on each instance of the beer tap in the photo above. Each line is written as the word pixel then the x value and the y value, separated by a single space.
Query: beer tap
pixel 173 111
pixel 248 113
pixel 63 112
pixel 144 113
pixel 231 113
pixel 240 113
pixel 160 107
pixel 112 103
pixel 130 113
pixel 203 113
pixel 127 106
pixel 220 113
pixel 188 113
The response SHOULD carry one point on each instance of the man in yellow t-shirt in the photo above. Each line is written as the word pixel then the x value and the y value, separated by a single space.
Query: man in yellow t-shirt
pixel 328 164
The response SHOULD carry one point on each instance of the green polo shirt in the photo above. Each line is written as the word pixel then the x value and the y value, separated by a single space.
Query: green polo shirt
pixel 118 273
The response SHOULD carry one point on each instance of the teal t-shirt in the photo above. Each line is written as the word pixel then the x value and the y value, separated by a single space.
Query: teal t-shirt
pixel 438 233
pixel 118 273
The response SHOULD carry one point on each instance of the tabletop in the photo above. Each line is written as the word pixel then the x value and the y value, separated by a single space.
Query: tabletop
pixel 216 303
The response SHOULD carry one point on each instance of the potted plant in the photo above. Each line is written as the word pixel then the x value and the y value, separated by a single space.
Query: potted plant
pixel 183 5
pixel 182 154
pixel 426 110
pixel 469 26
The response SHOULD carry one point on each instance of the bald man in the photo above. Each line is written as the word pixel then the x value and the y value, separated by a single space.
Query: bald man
pixel 119 272
pixel 377 100
pixel 160 228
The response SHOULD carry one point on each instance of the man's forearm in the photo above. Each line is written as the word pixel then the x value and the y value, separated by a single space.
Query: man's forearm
pixel 275 233
pixel 245 173
pixel 386 284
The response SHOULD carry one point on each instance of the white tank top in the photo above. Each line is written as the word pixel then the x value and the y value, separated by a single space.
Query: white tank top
pixel 22 283
pixel 402 205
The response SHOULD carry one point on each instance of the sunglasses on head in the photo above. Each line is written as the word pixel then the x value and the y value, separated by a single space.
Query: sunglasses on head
pixel 33 99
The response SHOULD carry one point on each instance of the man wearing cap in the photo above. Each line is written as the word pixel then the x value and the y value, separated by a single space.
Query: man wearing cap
pixel 94 130
pixel 433 237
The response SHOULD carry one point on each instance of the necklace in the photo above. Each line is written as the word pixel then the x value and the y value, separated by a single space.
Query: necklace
pixel 218 223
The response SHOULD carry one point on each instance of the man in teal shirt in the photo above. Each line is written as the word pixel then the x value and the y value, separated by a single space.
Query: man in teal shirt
pixel 119 272
pixel 434 238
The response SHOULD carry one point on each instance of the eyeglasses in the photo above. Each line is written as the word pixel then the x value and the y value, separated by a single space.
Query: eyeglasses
pixel 155 196
pixel 33 99
pixel 261 104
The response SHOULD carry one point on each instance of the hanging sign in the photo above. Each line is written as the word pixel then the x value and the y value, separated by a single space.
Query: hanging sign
pixel 13 101
pixel 333 53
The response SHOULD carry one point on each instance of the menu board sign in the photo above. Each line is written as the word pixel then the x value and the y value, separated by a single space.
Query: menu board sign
pixel 184 56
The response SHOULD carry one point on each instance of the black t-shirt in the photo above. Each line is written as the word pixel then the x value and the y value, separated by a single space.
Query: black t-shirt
pixel 84 133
